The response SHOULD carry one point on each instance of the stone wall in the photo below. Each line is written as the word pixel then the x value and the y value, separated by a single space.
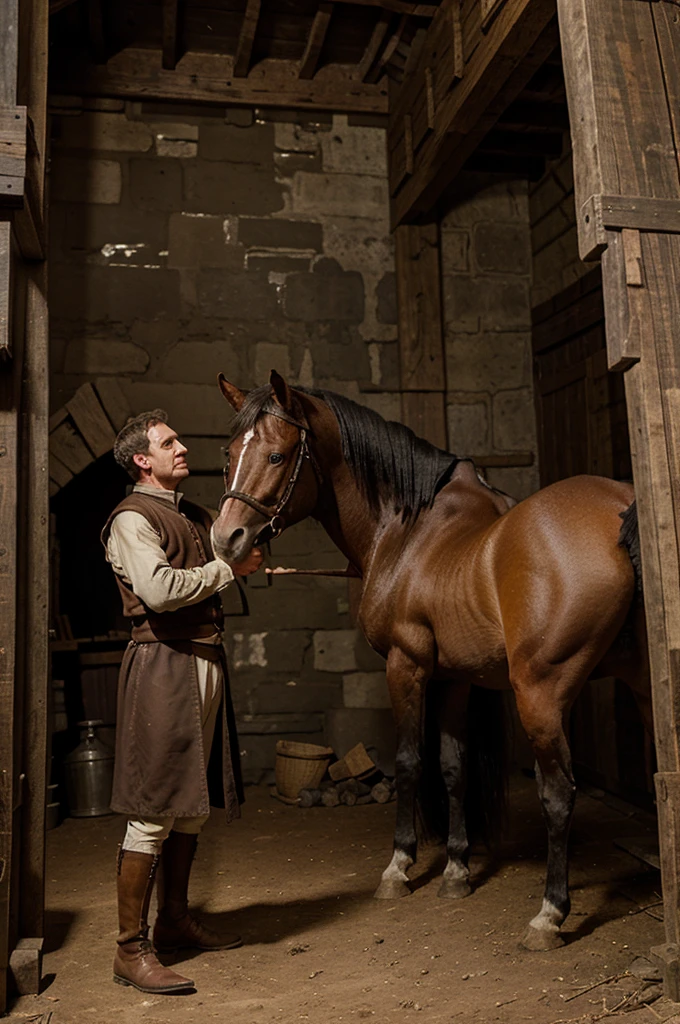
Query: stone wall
pixel 185 242
pixel 486 267
pixel 554 238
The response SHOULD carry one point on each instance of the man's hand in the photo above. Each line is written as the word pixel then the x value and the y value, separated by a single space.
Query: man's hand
pixel 251 564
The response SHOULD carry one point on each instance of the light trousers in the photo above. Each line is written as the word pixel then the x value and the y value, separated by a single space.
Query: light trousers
pixel 147 835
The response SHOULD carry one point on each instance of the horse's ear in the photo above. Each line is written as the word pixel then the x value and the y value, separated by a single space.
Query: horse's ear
pixel 233 395
pixel 281 391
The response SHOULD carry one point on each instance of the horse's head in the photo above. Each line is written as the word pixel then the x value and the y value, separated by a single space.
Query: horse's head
pixel 270 479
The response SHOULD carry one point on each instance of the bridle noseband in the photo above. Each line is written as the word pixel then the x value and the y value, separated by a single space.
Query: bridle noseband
pixel 273 512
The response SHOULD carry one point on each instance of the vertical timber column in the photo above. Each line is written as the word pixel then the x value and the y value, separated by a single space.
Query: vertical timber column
pixel 421 343
pixel 623 89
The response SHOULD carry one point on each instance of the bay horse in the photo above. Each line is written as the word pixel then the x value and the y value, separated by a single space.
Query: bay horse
pixel 464 590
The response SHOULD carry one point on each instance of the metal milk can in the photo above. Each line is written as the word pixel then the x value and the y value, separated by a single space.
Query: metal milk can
pixel 88 774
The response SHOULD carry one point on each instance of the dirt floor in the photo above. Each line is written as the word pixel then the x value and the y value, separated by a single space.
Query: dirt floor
pixel 318 948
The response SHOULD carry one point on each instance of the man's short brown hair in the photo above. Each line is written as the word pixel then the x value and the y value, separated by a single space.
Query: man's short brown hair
pixel 133 439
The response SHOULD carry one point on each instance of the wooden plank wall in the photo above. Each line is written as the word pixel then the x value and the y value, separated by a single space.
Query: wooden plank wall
pixel 24 576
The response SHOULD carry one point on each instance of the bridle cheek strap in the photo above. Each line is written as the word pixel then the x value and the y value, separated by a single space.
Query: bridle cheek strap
pixel 273 512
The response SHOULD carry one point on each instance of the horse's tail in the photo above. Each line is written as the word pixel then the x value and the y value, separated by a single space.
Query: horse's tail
pixel 488 745
pixel 629 538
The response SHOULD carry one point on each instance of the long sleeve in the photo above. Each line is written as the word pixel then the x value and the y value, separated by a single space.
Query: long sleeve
pixel 135 554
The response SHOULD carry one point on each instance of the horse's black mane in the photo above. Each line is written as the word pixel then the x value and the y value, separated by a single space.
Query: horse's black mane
pixel 390 464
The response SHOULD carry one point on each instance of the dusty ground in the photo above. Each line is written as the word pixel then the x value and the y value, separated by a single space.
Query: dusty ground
pixel 317 948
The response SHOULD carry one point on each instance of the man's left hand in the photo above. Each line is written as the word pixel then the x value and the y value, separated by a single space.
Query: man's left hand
pixel 249 565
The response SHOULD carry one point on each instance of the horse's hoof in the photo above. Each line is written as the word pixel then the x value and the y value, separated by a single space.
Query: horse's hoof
pixel 454 889
pixel 538 940
pixel 391 889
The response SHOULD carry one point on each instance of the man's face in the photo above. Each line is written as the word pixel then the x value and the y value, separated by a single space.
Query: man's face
pixel 164 465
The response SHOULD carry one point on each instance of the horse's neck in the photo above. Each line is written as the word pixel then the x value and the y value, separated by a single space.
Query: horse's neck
pixel 348 519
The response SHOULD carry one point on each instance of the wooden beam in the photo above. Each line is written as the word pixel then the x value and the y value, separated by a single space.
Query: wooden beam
pixel 390 47
pixel 618 55
pixel 171 33
pixel 397 7
pixel 315 41
pixel 209 78
pixel 501 64
pixel 246 38
pixel 372 50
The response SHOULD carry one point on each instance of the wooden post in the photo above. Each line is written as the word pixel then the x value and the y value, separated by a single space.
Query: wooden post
pixel 421 341
pixel 620 61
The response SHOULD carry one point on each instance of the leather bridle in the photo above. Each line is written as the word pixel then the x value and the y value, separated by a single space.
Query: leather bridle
pixel 273 512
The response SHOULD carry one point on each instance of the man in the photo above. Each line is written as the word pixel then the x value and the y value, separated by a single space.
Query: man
pixel 172 684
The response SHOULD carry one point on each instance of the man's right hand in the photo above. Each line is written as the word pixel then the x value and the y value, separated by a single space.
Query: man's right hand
pixel 251 564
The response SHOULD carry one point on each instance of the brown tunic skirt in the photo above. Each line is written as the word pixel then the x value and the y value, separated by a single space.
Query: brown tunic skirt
pixel 161 768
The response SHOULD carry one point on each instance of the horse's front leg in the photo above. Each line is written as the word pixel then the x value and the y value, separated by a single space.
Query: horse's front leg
pixel 406 681
pixel 452 757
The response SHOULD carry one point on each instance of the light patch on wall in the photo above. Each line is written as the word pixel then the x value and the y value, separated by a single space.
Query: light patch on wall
pixel 230 228
pixel 249 650
pixel 126 249
pixel 306 374
pixel 374 357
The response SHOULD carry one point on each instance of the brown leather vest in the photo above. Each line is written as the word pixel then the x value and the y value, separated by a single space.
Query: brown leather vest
pixel 184 535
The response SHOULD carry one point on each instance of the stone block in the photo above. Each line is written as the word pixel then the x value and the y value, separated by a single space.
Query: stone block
pixel 272 263
pixel 334 650
pixel 199 362
pixel 85 181
pixel 365 690
pixel 488 362
pixel 386 404
pixel 289 164
pixel 242 117
pixel 192 408
pixel 173 131
pixel 455 251
pixel 384 361
pixel 156 184
pixel 386 295
pixel 503 201
pixel 286 649
pixel 202 241
pixel 102 130
pixel 211 188
pixel 468 424
pixel 305 538
pixel 357 150
pixel 502 248
pixel 514 420
pixel 245 296
pixel 123 233
pixel 104 355
pixel 340 194
pixel 294 697
pixel 111 293
pixel 320 296
pixel 345 727
pixel 270 356
pixel 367 659
pixel 272 233
pixel 25 965
pixel 176 148
pixel 233 145
pixel 296 139
pixel 298 604
pixel 518 481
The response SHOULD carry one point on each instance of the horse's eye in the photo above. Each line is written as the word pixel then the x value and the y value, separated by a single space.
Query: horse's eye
pixel 276 458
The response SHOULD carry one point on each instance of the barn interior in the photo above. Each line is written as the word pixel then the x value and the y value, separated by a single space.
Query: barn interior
pixel 374 197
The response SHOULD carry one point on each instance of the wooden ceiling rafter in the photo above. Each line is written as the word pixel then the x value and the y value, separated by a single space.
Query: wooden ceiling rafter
pixel 246 38
pixel 315 40
pixel 373 47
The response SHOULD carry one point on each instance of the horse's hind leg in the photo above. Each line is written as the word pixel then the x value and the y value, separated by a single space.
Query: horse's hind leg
pixel 452 717
pixel 406 682
pixel 543 716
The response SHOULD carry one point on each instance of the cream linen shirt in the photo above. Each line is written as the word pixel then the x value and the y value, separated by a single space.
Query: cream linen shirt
pixel 135 554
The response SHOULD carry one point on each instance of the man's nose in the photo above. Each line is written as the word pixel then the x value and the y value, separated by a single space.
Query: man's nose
pixel 180 448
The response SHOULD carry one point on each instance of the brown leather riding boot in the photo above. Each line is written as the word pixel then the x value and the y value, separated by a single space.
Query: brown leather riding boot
pixel 136 963
pixel 175 926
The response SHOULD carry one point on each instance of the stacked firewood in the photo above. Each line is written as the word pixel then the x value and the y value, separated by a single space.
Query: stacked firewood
pixel 354 779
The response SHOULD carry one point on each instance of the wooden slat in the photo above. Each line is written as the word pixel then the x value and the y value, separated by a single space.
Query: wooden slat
pixel 600 214
pixel 5 288
pixel 495 73
pixel 421 346
pixel 91 420
pixel 246 38
pixel 9 62
pixel 171 33
pixel 13 141
pixel 373 46
pixel 315 41
pixel 68 446
pixel 204 78
pixel 113 400
pixel 425 413
pixel 397 7
pixel 59 473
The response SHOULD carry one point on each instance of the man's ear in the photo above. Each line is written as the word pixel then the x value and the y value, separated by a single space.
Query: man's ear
pixel 281 391
pixel 233 395
pixel 141 460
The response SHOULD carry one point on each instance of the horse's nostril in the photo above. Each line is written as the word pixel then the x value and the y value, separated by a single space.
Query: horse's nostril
pixel 236 535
